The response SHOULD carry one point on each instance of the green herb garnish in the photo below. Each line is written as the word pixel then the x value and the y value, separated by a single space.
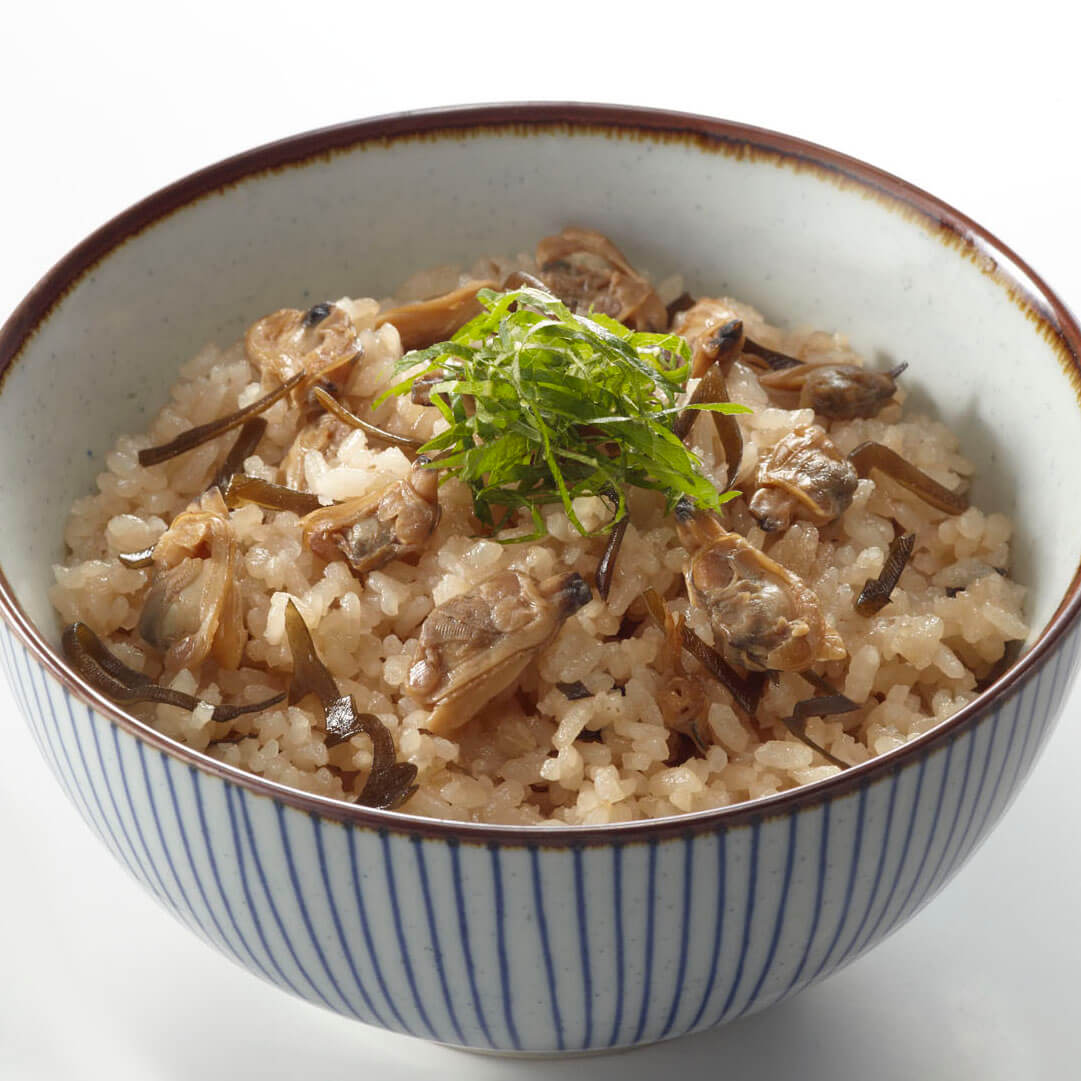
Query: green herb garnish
pixel 544 406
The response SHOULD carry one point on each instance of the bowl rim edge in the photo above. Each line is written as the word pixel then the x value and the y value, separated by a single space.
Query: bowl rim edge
pixel 1019 281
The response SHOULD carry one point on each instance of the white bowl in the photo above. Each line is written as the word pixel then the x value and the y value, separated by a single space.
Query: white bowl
pixel 544 939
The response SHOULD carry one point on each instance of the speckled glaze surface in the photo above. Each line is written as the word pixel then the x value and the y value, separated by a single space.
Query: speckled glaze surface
pixel 545 940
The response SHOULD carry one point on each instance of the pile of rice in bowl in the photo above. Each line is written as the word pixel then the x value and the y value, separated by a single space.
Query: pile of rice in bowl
pixel 609 719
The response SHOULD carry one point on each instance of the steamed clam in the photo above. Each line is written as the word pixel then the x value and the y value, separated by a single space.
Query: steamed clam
pixel 289 342
pixel 763 616
pixel 476 645
pixel 193 608
pixel 589 273
pixel 426 321
pixel 713 330
pixel 805 476
pixel 837 391
pixel 371 530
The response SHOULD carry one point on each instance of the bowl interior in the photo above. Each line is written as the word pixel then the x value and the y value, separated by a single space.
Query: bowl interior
pixel 798 241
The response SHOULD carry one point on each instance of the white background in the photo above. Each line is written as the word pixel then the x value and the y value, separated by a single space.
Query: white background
pixel 102 103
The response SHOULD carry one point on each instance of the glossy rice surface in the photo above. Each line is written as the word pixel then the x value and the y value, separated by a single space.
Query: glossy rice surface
pixel 537 755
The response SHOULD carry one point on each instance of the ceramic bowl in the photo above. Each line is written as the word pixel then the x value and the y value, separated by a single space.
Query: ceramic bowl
pixel 543 939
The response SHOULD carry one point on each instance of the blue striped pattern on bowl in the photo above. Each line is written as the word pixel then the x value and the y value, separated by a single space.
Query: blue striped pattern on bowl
pixel 559 945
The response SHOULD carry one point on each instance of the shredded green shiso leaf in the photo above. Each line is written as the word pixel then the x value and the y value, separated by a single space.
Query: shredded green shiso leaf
pixel 545 406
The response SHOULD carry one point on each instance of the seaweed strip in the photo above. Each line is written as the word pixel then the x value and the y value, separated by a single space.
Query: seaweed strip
pixel 245 489
pixel 746 690
pixel 246 441
pixel 875 594
pixel 136 560
pixel 774 361
pixel 390 782
pixel 606 568
pixel 203 433
pixel 871 455
pixel 351 420
pixel 105 672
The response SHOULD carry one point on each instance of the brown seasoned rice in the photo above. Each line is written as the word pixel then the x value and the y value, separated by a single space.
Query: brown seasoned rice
pixel 523 760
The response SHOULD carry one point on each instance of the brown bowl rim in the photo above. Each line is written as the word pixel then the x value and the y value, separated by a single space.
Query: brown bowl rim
pixel 1021 283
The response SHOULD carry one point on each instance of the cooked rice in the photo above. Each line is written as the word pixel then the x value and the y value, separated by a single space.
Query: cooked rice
pixel 524 758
